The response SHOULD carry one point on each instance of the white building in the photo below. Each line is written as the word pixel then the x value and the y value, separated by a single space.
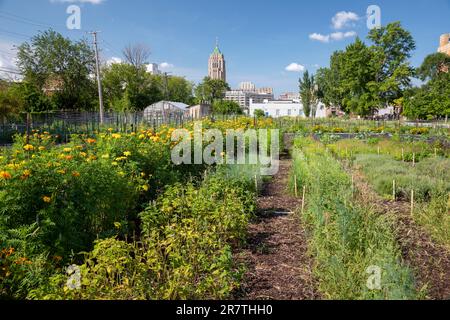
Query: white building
pixel 279 108
pixel 153 69
pixel 243 97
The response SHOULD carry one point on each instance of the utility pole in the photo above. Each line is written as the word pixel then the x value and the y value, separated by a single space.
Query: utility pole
pixel 99 80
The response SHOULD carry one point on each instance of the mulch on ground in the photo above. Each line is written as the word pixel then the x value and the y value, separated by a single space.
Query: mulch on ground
pixel 276 254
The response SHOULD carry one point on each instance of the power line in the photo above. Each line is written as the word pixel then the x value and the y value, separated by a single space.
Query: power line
pixel 16 34
pixel 17 18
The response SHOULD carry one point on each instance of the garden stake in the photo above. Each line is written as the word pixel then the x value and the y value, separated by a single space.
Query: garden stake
pixel 414 159
pixel 412 203
pixel 403 155
pixel 393 190
pixel 295 186
pixel 303 199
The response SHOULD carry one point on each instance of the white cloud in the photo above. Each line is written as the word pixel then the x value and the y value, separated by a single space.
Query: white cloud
pixel 113 60
pixel 78 1
pixel 342 35
pixel 344 19
pixel 295 67
pixel 335 36
pixel 320 37
pixel 166 65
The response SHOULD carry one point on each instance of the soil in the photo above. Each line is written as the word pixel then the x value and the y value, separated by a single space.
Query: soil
pixel 276 254
pixel 429 261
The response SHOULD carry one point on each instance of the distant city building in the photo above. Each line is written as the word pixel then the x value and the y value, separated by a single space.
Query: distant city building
pixel 283 108
pixel 289 96
pixel 243 97
pixel 247 86
pixel 216 65
pixel 153 68
pixel 445 44
pixel 265 90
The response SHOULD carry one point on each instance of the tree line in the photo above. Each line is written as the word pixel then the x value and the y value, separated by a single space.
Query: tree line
pixel 365 78
pixel 59 74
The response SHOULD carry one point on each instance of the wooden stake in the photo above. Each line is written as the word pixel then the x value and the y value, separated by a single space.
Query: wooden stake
pixel 412 203
pixel 379 151
pixel 403 155
pixel 295 186
pixel 394 190
pixel 256 183
pixel 303 199
pixel 414 159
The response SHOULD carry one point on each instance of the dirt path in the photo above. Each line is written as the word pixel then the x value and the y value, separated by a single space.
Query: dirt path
pixel 279 267
pixel 429 261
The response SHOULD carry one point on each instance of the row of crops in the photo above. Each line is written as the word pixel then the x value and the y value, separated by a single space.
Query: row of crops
pixel 348 237
pixel 109 216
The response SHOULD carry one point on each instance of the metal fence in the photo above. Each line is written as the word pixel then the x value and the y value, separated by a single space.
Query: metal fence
pixel 64 124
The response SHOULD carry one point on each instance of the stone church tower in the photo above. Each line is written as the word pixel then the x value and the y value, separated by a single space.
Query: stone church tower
pixel 216 66
pixel 445 44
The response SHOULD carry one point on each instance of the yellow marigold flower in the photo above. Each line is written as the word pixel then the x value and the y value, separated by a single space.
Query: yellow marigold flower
pixel 121 173
pixel 47 199
pixel 76 174
pixel 105 156
pixel 127 153
pixel 67 149
pixel 41 148
pixel 5 175
pixel 61 171
pixel 26 174
pixel 114 163
pixel 83 154
pixel 28 147
pixel 142 136
pixel 145 187
pixel 110 129
pixel 116 136
pixel 121 158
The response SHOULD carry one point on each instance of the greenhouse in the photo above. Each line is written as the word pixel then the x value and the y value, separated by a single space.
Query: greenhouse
pixel 164 110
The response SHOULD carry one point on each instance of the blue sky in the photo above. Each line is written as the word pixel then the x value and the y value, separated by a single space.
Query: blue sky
pixel 260 39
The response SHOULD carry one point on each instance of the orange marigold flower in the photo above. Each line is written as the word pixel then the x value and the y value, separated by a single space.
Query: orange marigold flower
pixel 5 175
pixel 76 174
pixel 91 141
pixel 47 199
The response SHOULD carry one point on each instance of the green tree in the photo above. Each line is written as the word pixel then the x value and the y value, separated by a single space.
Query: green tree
pixel 433 66
pixel 50 60
pixel 180 90
pixel 393 47
pixel 259 113
pixel 210 90
pixel 432 100
pixel 128 88
pixel 307 93
pixel 226 107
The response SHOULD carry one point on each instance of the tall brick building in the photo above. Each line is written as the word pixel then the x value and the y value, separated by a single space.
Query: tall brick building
pixel 445 44
pixel 216 66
